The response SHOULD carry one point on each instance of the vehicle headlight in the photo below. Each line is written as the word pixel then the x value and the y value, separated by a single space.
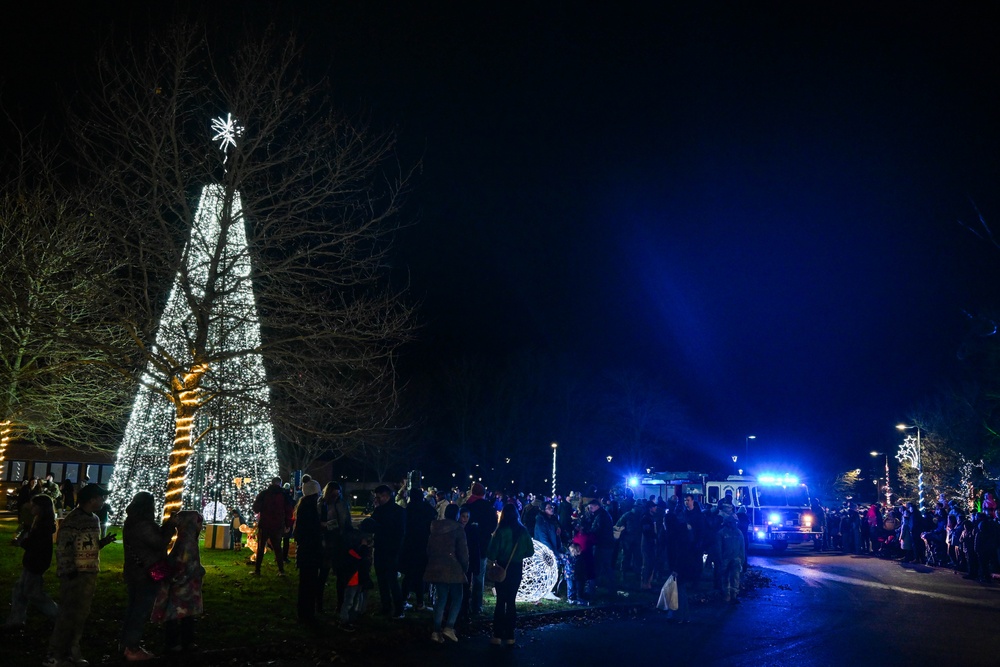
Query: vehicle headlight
pixel 807 520
pixel 774 518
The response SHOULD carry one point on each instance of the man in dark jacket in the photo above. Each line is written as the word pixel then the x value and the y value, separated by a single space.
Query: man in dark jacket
pixel 598 524
pixel 686 535
pixel 390 526
pixel 547 529
pixel 274 509
pixel 485 517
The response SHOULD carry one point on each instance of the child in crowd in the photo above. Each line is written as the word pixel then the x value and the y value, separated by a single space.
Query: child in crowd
pixel 180 599
pixel 357 569
pixel 573 568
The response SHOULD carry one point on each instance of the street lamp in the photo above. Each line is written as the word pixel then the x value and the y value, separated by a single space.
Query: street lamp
pixel 734 461
pixel 913 456
pixel 555 446
pixel 746 459
pixel 888 491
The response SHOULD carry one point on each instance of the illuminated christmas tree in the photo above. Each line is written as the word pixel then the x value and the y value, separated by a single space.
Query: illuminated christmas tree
pixel 200 433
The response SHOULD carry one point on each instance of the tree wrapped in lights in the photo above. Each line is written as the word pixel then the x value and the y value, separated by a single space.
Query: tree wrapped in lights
pixel 223 406
pixel 271 258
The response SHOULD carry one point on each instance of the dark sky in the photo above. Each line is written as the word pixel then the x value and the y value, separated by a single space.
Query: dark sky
pixel 758 204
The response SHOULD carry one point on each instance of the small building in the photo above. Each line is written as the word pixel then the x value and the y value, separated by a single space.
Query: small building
pixel 24 461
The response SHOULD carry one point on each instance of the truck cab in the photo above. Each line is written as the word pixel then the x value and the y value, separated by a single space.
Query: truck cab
pixel 782 513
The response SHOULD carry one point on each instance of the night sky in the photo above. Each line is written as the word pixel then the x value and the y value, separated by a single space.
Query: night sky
pixel 760 205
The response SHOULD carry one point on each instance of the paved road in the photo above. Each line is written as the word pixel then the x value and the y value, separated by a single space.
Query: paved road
pixel 820 609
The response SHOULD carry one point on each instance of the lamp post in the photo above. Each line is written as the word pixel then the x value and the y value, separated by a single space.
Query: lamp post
pixel 888 491
pixel 914 458
pixel 746 458
pixel 555 446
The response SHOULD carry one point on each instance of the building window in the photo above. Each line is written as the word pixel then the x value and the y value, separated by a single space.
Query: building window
pixel 57 472
pixel 105 474
pixel 72 472
pixel 14 471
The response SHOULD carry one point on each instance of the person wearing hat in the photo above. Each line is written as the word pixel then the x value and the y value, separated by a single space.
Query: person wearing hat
pixel 310 487
pixel 482 514
pixel 78 560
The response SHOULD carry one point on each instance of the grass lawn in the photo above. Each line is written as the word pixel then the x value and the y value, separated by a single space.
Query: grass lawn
pixel 241 611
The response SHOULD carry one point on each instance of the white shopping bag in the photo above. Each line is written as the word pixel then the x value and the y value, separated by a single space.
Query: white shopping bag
pixel 668 595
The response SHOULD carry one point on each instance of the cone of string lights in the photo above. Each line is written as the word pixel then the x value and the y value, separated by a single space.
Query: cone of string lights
pixel 208 439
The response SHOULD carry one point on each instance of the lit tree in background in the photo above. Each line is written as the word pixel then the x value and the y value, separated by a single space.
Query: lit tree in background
pixel 289 230
pixel 235 437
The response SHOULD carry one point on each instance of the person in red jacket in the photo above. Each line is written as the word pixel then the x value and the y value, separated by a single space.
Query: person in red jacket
pixel 274 509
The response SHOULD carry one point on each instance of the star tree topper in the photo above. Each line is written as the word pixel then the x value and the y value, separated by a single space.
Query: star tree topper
pixel 226 130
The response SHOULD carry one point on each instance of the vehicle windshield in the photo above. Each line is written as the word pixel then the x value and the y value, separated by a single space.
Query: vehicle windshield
pixel 783 496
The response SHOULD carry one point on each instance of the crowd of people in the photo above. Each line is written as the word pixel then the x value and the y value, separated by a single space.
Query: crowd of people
pixel 437 552
pixel 949 534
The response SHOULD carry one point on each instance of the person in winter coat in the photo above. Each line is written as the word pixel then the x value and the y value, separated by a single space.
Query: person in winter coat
pixel 686 534
pixel 37 545
pixel 180 600
pixel 547 529
pixel 308 555
pixel 485 518
pixel 986 541
pixel 647 544
pixel 413 557
pixel 389 521
pixel 631 537
pixel 472 542
pixel 336 523
pixel 145 542
pixel 78 560
pixel 68 495
pixel 729 545
pixel 509 546
pixel 274 508
pixel 597 524
pixel 447 564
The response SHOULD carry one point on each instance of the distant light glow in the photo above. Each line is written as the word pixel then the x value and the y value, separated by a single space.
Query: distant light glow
pixel 633 481
pixel 774 518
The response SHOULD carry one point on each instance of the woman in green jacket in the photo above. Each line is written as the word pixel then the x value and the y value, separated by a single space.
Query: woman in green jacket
pixel 508 547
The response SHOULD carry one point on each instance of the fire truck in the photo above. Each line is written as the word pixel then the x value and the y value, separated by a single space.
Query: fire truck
pixel 778 506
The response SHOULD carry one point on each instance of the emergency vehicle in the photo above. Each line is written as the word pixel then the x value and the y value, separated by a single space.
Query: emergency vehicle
pixel 778 506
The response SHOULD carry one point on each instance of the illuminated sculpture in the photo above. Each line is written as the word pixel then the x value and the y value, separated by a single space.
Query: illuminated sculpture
pixel 189 445
pixel 541 572
pixel 909 452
